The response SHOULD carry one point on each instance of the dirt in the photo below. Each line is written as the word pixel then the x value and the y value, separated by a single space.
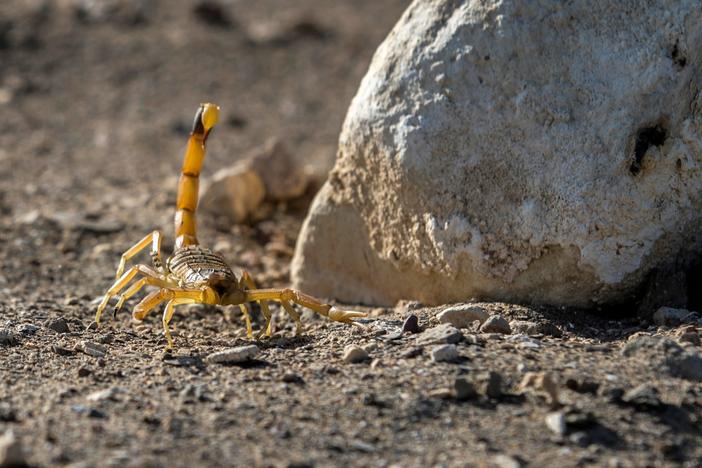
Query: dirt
pixel 96 100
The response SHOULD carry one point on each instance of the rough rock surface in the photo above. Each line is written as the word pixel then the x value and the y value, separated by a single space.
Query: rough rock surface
pixel 540 152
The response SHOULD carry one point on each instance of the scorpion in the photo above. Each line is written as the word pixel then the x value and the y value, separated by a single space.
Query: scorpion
pixel 194 274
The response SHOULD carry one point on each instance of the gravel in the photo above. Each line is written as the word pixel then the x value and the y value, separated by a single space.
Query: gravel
pixel 179 410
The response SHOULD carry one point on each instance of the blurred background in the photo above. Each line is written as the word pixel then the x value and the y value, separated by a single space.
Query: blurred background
pixel 97 96
pixel 97 99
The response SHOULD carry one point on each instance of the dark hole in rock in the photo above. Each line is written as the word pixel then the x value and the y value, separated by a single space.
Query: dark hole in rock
pixel 678 58
pixel 694 292
pixel 645 138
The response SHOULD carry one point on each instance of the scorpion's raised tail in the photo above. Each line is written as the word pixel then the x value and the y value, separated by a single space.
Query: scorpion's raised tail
pixel 188 186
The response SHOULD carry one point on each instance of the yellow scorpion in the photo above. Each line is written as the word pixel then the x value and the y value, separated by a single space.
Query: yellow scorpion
pixel 194 274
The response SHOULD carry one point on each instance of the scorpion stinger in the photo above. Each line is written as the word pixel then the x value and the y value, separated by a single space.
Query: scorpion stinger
pixel 194 274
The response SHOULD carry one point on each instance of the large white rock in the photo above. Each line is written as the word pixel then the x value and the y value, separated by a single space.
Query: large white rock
pixel 536 151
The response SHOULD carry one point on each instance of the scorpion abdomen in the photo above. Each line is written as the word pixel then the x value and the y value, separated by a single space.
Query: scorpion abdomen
pixel 194 265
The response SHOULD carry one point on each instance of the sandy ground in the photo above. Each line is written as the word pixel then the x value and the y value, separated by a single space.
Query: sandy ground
pixel 96 99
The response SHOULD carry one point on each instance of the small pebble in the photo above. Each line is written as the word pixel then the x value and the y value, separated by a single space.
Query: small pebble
pixel 444 353
pixel 441 393
pixel 7 414
pixel 533 328
pixel 496 324
pixel 543 383
pixel 463 316
pixel 492 386
pixel 506 461
pixel 7 338
pixel 84 371
pixel 411 353
pixel 411 324
pixel 234 355
pixel 59 325
pixel 463 389
pixel 355 354
pixel 645 396
pixel 689 336
pixel 91 349
pixel 61 351
pixel 11 451
pixel 556 422
pixel 443 334
pixel 27 329
pixel 582 385
pixel 370 347
pixel 668 316
pixel 613 395
pixel 107 394
pixel 71 300
pixel 291 377
pixel 685 365
pixel 88 411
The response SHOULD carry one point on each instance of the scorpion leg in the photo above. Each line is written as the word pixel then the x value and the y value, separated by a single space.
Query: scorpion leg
pixel 295 316
pixel 266 330
pixel 155 240
pixel 305 300
pixel 247 317
pixel 248 281
pixel 168 315
pixel 136 287
pixel 121 282
pixel 150 302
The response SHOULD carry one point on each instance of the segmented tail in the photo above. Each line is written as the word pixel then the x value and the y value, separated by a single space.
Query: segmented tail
pixel 188 185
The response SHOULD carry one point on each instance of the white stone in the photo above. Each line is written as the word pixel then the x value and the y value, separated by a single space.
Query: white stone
pixel 463 316
pixel 234 355
pixel 491 151
pixel 556 422
pixel 354 354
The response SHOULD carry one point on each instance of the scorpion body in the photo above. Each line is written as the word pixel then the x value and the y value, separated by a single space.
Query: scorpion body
pixel 195 274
